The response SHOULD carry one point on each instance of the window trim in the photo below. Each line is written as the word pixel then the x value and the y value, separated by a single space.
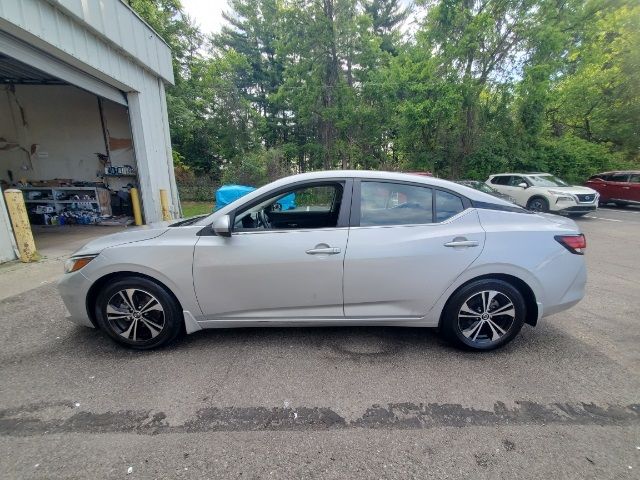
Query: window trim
pixel 354 220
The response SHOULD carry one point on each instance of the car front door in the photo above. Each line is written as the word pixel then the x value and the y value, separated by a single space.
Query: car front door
pixel 283 260
pixel 516 191
pixel 407 244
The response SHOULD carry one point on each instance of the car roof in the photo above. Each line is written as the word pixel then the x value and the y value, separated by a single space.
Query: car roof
pixel 612 172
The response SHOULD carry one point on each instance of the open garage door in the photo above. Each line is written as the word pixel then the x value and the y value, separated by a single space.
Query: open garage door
pixel 68 146
pixel 43 66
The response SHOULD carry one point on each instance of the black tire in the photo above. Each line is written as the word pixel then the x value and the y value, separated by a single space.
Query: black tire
pixel 621 204
pixel 119 320
pixel 538 205
pixel 576 215
pixel 467 298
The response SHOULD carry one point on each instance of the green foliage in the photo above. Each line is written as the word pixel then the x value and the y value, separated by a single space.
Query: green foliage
pixel 478 87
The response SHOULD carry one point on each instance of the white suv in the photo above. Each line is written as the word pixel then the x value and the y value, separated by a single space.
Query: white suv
pixel 543 192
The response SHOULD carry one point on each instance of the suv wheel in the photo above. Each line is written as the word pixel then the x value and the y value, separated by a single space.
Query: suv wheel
pixel 538 205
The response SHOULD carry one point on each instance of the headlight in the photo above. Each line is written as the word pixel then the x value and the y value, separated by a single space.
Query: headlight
pixel 76 263
pixel 562 196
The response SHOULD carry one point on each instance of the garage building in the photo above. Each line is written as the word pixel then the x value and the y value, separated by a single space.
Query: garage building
pixel 83 114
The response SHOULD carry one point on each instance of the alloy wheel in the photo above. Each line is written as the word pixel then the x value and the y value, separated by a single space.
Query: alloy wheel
pixel 537 206
pixel 486 316
pixel 135 315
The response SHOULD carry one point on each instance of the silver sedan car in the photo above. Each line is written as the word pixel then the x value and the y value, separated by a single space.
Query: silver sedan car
pixel 334 248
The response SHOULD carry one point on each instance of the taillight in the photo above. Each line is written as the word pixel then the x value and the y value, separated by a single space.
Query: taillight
pixel 574 243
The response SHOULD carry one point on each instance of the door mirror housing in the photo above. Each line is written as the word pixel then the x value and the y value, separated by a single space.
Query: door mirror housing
pixel 523 185
pixel 222 226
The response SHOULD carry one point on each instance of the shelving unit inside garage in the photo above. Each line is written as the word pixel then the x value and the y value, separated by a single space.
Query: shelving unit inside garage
pixel 45 203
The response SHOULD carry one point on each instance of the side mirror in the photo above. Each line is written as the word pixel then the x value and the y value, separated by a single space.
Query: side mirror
pixel 523 185
pixel 222 226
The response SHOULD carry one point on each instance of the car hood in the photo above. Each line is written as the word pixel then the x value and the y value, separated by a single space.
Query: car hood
pixel 133 234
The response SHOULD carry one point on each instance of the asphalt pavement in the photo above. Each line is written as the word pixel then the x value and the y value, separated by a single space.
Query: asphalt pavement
pixel 560 401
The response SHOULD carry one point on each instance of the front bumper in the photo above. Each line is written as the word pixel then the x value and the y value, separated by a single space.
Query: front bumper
pixel 579 209
pixel 73 288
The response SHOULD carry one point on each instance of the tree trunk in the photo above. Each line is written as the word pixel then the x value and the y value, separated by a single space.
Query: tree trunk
pixel 327 128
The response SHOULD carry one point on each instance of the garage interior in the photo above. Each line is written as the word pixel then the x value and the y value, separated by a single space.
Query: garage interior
pixel 69 151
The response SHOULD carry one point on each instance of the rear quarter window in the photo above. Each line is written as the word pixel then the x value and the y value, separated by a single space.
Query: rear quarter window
pixel 447 205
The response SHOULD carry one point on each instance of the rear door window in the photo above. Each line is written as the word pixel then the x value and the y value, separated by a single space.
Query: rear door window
pixel 384 203
pixel 501 180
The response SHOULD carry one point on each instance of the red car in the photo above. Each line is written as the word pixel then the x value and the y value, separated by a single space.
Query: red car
pixel 621 188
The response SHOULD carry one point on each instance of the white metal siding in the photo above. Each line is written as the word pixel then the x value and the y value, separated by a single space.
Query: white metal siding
pixel 7 251
pixel 104 40
pixel 104 35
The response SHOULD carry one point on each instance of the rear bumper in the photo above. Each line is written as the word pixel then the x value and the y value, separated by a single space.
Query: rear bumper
pixel 572 295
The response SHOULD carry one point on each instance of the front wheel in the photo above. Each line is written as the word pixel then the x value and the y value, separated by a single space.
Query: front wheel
pixel 138 313
pixel 484 315
pixel 538 205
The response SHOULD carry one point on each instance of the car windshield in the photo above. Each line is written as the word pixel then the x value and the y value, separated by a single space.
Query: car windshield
pixel 483 187
pixel 547 181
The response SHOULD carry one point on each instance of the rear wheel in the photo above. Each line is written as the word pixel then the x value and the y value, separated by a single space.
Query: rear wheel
pixel 138 313
pixel 621 204
pixel 484 315
pixel 538 205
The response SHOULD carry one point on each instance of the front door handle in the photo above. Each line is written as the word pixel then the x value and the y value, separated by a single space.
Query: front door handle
pixel 323 251
pixel 462 243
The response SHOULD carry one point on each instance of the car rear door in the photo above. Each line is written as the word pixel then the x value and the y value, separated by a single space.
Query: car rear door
pixel 407 244
pixel 633 188
pixel 289 270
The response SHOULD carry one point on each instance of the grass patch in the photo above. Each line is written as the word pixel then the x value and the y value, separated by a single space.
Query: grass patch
pixel 191 209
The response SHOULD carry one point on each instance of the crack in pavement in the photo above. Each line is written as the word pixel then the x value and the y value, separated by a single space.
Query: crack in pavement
pixel 24 421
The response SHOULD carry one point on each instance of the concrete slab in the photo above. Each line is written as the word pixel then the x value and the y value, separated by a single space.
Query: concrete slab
pixel 55 244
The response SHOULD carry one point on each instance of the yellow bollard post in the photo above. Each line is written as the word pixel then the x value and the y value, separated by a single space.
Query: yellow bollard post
pixel 135 205
pixel 164 202
pixel 21 226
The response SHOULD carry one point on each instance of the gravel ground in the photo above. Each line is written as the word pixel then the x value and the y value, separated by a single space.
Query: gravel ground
pixel 561 401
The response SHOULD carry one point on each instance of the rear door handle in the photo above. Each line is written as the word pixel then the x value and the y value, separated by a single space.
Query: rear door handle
pixel 323 251
pixel 462 243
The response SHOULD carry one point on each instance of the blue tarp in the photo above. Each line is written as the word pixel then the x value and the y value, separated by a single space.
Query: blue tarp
pixel 229 193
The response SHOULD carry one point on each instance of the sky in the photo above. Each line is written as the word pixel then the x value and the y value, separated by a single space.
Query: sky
pixel 206 13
